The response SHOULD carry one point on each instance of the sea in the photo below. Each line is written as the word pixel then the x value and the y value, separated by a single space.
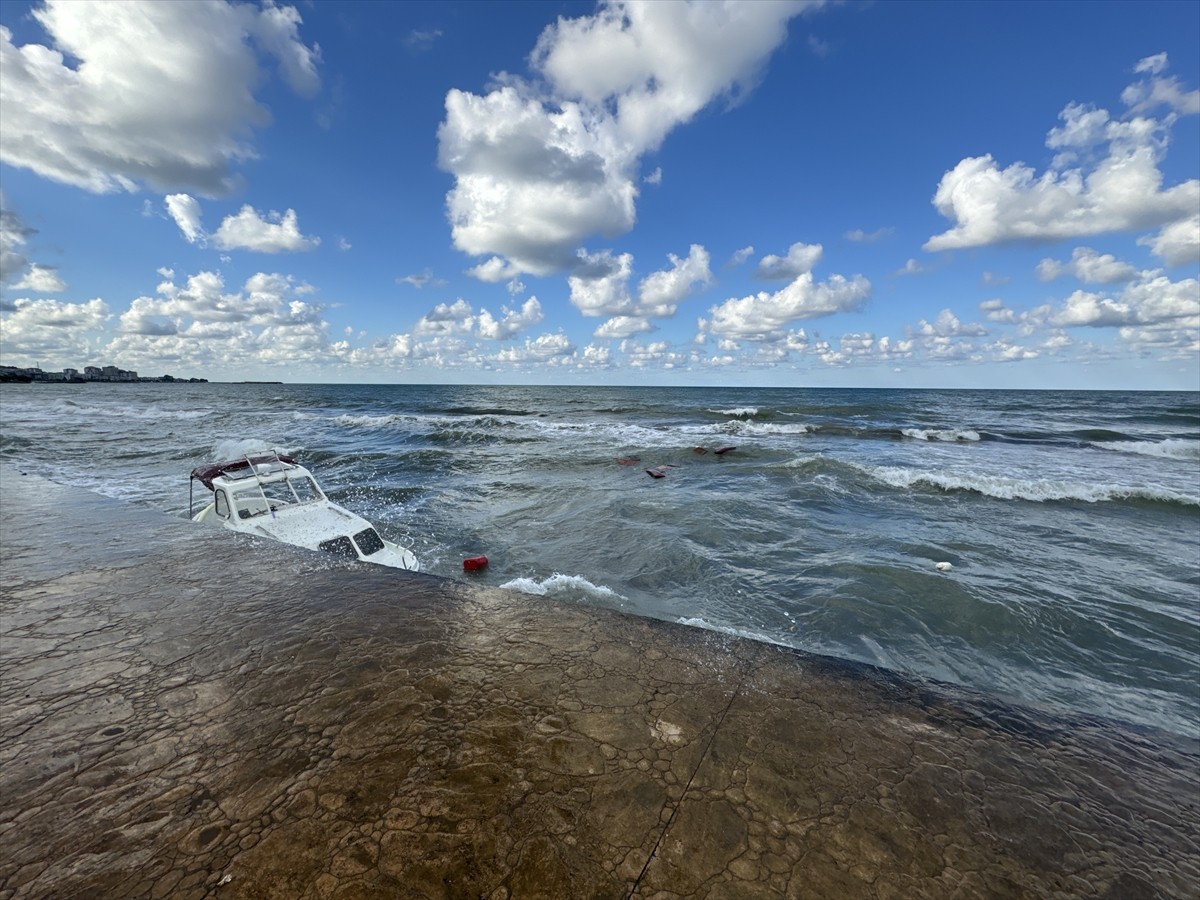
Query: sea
pixel 1070 521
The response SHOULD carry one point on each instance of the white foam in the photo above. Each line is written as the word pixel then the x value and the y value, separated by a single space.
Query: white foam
pixel 740 412
pixel 558 585
pixel 747 633
pixel 369 421
pixel 1007 488
pixel 1171 448
pixel 943 434
pixel 764 428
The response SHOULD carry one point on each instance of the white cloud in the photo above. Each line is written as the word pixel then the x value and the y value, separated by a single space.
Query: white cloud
pixel 13 235
pixel 600 286
pixel 538 169
pixel 800 258
pixel 1089 267
pixel 202 325
pixel 494 270
pixel 660 293
pixel 41 280
pixel 1152 92
pixel 765 316
pixel 948 325
pixel 740 256
pixel 421 40
pixel 912 267
pixel 994 310
pixel 546 348
pixel 1083 308
pixel 185 210
pixel 654 177
pixel 1177 244
pixel 864 237
pixel 460 319
pixel 1153 314
pixel 1122 191
pixel 155 93
pixel 37 330
pixel 421 280
pixel 274 234
pixel 621 327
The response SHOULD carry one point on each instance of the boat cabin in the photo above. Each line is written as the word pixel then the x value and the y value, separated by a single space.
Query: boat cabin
pixel 272 495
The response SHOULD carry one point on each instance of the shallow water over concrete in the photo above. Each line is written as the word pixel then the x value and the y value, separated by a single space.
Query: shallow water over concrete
pixel 188 713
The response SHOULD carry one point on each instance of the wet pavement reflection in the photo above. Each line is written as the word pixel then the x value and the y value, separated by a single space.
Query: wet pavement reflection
pixel 188 713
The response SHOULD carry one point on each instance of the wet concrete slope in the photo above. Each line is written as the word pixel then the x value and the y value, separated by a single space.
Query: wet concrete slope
pixel 192 714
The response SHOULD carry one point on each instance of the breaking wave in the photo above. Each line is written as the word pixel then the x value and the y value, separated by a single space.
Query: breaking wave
pixel 944 434
pixel 1040 491
pixel 559 585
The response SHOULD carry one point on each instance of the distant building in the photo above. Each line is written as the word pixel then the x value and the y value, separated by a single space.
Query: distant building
pixel 90 373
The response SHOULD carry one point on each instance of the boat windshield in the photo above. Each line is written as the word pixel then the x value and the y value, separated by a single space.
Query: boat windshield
pixel 256 500
pixel 368 541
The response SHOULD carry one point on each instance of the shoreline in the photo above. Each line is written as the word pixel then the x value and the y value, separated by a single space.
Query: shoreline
pixel 194 714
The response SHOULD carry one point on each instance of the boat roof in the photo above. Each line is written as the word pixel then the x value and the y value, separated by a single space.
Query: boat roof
pixel 252 464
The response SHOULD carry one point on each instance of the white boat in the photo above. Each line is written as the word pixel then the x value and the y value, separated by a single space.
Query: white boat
pixel 267 494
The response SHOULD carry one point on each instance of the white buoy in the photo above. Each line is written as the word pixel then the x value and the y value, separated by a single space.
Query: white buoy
pixel 943 567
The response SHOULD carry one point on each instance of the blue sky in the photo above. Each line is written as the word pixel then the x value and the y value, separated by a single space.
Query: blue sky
pixel 844 194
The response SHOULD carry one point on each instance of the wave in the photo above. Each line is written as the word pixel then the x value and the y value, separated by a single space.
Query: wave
pixel 1171 448
pixel 365 421
pixel 942 434
pixel 559 585
pixel 765 428
pixel 121 411
pixel 738 412
pixel 1040 491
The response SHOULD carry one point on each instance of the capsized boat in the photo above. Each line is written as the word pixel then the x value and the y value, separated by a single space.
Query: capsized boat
pixel 271 495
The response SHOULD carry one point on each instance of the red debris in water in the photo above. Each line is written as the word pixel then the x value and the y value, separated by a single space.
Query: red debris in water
pixel 474 563
pixel 654 473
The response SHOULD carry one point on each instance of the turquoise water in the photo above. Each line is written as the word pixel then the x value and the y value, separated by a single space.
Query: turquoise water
pixel 1071 520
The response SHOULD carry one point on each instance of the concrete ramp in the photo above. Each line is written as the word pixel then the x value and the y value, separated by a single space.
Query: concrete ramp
pixel 187 713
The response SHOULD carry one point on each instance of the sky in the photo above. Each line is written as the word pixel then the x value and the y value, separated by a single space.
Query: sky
pixel 856 194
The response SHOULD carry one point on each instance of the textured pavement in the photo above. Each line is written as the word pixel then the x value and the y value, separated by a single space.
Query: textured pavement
pixel 188 713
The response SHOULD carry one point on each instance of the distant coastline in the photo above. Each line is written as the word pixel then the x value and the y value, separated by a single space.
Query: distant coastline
pixel 106 374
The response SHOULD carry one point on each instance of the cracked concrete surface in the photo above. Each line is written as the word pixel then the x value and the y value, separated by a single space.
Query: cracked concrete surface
pixel 186 713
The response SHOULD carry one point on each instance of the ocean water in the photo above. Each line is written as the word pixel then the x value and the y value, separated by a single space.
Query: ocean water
pixel 1071 520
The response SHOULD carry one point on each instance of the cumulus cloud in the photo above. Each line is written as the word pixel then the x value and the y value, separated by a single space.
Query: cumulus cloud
pixel 600 287
pixel 1177 244
pixel 460 319
pixel 1105 179
pixel 994 310
pixel 35 330
pixel 1089 267
pixel 1151 313
pixel 765 316
pixel 99 105
pixel 948 325
pixel 248 230
pixel 621 327
pixel 540 167
pixel 14 234
pixel 800 258
pixel 203 324
pixel 41 280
